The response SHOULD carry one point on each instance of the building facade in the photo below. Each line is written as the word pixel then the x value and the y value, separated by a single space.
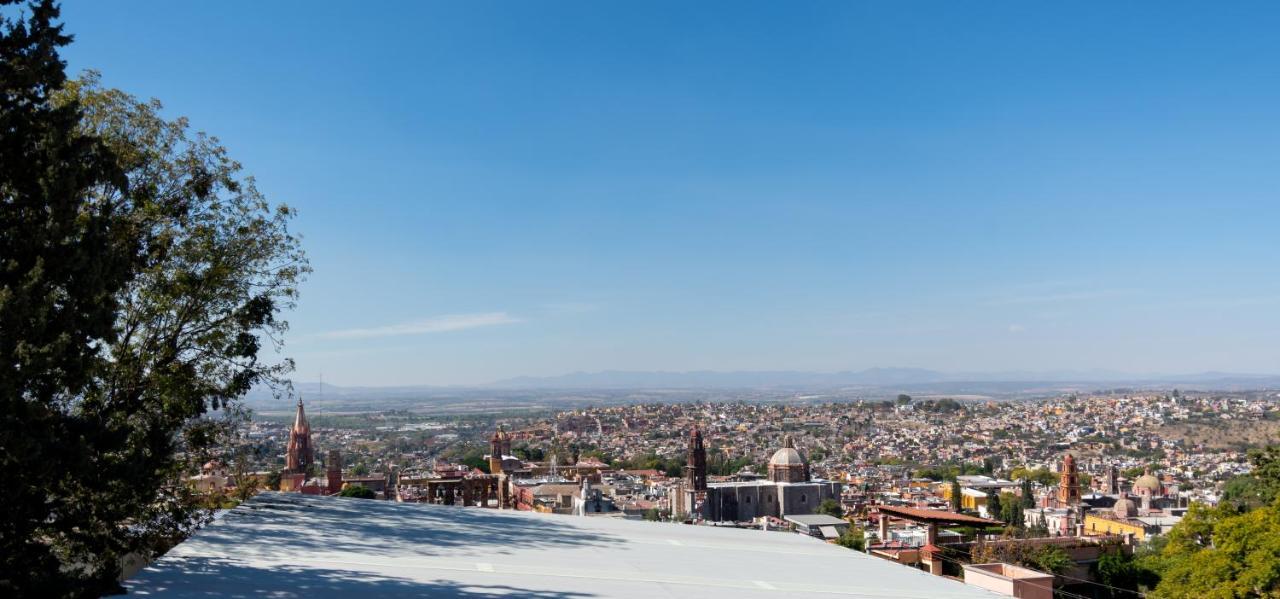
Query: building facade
pixel 787 491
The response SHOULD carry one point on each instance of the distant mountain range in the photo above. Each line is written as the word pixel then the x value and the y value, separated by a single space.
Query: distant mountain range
pixel 871 377
pixel 619 386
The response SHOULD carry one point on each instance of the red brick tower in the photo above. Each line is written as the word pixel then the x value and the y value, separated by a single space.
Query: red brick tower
pixel 299 457
pixel 1068 483
pixel 333 471
pixel 696 466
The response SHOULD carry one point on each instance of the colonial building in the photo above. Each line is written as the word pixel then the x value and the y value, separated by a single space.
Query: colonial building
pixel 696 463
pixel 299 456
pixel 493 489
pixel 787 491
pixel 1068 483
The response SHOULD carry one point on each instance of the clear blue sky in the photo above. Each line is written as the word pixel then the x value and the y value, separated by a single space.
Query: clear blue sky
pixel 530 188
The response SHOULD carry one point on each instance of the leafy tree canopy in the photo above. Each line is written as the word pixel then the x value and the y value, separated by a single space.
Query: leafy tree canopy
pixel 140 274
pixel 830 507
pixel 1230 550
pixel 357 491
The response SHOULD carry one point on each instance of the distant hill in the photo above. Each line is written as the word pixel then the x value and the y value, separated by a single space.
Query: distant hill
pixel 871 377
pixel 624 379
pixel 619 386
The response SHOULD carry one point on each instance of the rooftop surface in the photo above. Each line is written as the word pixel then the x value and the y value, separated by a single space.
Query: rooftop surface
pixel 291 545
pixel 935 516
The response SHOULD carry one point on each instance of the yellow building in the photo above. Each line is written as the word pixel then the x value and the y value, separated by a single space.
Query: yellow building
pixel 1107 524
pixel 970 499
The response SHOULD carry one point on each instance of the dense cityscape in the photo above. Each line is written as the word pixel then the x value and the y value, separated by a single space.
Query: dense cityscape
pixel 634 300
pixel 930 483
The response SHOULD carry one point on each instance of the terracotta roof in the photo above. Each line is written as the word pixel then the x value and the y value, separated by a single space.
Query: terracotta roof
pixel 935 516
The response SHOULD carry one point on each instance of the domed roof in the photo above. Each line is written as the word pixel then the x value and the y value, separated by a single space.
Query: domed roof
pixel 787 456
pixel 1147 481
pixel 1125 508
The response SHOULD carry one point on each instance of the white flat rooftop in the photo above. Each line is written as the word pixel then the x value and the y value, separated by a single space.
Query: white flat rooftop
pixel 291 545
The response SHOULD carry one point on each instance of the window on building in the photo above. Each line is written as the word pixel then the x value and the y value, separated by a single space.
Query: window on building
pixel 802 498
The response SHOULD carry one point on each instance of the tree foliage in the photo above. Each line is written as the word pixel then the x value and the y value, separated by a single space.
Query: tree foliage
pixel 1043 476
pixel 1123 574
pixel 1261 486
pixel 1227 551
pixel 1027 497
pixel 1045 558
pixel 830 507
pixel 854 539
pixel 358 491
pixel 1219 552
pixel 140 274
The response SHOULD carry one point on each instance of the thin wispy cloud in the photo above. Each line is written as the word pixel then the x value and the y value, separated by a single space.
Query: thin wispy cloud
pixel 1017 328
pixel 437 324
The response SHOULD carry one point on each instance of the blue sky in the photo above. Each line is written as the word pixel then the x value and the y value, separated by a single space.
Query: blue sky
pixel 530 188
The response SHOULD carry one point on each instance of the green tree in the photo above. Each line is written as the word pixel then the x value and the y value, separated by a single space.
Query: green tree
pixel 1011 510
pixel 1229 550
pixel 273 480
pixel 1028 498
pixel 830 507
pixel 1218 552
pixel 903 399
pixel 140 274
pixel 1123 575
pixel 853 539
pixel 357 491
pixel 63 263
pixel 1261 486
pixel 994 507
pixel 1052 559
pixel 957 496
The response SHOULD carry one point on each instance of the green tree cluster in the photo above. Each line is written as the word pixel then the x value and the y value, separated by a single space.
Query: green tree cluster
pixel 950 471
pixel 830 507
pixel 1043 476
pixel 357 491
pixel 140 275
pixel 1227 551
pixel 1261 486
pixel 1045 558
pixel 854 539
pixel 652 461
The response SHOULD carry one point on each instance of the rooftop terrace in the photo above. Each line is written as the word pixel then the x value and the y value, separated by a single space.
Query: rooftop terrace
pixel 289 545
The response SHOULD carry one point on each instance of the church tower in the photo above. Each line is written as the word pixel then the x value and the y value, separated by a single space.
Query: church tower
pixel 1068 483
pixel 333 471
pixel 696 465
pixel 499 445
pixel 299 457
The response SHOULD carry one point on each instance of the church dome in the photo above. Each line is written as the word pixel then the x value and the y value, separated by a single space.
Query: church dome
pixel 1125 508
pixel 1148 482
pixel 787 456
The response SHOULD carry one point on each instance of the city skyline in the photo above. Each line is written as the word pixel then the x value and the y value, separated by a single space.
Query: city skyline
pixel 503 191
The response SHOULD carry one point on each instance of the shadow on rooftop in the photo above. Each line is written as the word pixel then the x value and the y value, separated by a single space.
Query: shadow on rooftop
pixel 206 577
pixel 277 524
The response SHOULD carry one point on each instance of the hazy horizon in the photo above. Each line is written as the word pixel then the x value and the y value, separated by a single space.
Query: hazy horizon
pixel 874 376
pixel 489 191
